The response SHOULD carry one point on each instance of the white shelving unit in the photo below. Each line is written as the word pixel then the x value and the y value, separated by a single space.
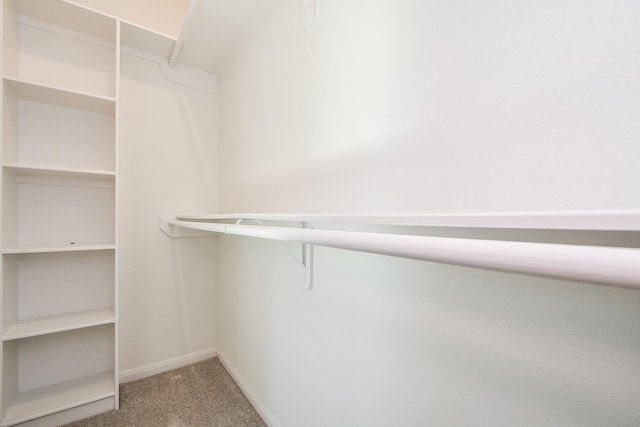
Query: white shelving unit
pixel 67 395
pixel 60 70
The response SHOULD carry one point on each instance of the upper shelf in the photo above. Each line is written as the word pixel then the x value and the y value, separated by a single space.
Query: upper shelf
pixel 160 17
pixel 147 41
pixel 150 33
pixel 622 220
pixel 66 15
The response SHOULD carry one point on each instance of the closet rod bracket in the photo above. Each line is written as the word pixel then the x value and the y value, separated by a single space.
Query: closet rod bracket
pixel 305 262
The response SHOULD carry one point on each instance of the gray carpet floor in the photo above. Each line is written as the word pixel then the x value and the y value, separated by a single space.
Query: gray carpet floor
pixel 198 395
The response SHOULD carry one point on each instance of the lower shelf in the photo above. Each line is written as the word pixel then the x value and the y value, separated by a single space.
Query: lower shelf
pixel 48 400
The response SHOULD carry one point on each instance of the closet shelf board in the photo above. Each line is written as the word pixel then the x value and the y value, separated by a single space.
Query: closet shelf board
pixel 59 172
pixel 30 91
pixel 67 15
pixel 38 249
pixel 58 323
pixel 58 397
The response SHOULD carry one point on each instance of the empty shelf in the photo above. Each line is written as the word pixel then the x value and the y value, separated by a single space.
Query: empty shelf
pixel 62 97
pixel 36 249
pixel 58 323
pixel 60 172
pixel 58 397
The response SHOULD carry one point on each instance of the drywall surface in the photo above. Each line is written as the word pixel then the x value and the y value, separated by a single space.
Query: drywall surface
pixel 434 106
pixel 168 164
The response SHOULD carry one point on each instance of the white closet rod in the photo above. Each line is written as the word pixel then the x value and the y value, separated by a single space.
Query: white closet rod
pixel 593 264
pixel 627 220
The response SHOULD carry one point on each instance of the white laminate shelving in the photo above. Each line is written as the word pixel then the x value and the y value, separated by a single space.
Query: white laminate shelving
pixel 59 222
pixel 143 40
pixel 60 46
pixel 50 292
pixel 69 17
pixel 57 371
pixel 58 323
pixel 52 207
pixel 39 249
pixel 47 94
pixel 50 128
pixel 59 397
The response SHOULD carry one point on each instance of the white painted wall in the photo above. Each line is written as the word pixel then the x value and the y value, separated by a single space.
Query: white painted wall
pixel 432 106
pixel 168 164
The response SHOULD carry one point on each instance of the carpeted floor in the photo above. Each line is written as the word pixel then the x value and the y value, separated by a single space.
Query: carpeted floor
pixel 198 395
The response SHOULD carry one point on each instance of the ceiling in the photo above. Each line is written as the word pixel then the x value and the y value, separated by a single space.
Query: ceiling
pixel 219 30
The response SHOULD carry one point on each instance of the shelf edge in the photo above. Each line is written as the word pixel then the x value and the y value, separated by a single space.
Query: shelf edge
pixel 14 250
pixel 105 377
pixel 107 318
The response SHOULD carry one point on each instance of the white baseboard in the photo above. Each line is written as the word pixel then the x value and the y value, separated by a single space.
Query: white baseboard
pixel 266 415
pixel 166 365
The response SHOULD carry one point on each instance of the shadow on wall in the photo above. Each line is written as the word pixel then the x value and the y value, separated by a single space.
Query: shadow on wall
pixel 193 268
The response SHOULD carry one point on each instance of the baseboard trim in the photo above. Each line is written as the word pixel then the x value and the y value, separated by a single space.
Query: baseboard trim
pixel 266 415
pixel 166 365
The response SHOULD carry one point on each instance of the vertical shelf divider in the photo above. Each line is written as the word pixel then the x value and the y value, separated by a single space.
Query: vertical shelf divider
pixel 116 370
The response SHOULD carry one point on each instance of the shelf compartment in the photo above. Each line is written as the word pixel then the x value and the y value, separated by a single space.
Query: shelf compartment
pixel 63 14
pixel 57 208
pixel 50 128
pixel 59 323
pixel 79 368
pixel 51 292
pixel 58 397
pixel 60 45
